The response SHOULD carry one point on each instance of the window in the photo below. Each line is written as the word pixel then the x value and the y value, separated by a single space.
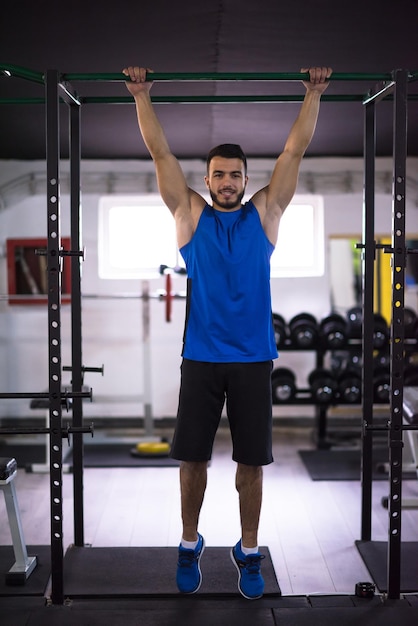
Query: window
pixel 300 246
pixel 137 235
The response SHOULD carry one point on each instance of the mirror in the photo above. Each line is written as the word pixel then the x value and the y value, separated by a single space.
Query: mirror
pixel 346 279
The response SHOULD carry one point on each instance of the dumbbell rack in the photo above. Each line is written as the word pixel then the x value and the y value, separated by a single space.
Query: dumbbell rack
pixel 304 396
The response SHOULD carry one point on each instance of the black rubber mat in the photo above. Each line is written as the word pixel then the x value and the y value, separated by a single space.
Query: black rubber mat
pixel 25 455
pixel 16 611
pixel 119 455
pixel 344 464
pixel 375 554
pixel 201 615
pixel 124 572
pixel 343 616
pixel 37 582
pixel 196 610
pixel 95 455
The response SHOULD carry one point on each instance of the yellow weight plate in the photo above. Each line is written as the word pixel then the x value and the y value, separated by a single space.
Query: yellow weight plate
pixel 153 447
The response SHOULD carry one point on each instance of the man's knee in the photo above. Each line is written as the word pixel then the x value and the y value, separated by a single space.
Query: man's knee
pixel 248 475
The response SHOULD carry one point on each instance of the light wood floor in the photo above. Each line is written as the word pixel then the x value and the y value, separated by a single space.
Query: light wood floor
pixel 309 526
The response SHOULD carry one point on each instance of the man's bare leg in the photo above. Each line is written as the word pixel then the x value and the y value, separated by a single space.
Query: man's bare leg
pixel 249 484
pixel 245 554
pixel 193 480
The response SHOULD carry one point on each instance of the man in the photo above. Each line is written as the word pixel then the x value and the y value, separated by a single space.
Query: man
pixel 229 338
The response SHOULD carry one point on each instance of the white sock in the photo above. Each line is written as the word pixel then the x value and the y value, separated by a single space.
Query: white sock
pixel 249 550
pixel 189 545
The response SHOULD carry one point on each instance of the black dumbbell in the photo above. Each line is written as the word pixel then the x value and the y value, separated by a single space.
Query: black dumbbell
pixel 280 330
pixel 365 590
pixel 381 359
pixel 380 332
pixel 355 322
pixel 323 385
pixel 355 358
pixel 283 385
pixel 333 331
pixel 410 324
pixel 349 385
pixel 381 384
pixel 304 331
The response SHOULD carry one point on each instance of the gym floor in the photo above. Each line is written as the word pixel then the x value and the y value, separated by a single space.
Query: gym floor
pixel 310 527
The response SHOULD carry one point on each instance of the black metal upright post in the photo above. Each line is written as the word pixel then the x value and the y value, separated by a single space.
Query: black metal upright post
pixel 368 258
pixel 397 331
pixel 54 331
pixel 76 321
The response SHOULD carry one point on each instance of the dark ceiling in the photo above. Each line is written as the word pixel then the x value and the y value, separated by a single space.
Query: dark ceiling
pixel 85 36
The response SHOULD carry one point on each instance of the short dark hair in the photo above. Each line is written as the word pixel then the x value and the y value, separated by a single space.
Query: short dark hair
pixel 227 151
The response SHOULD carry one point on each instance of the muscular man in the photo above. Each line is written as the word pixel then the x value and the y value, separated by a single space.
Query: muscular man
pixel 229 338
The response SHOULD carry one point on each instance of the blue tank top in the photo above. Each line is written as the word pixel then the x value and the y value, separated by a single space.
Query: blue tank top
pixel 228 311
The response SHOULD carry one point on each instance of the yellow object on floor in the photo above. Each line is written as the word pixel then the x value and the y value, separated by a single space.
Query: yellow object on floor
pixel 152 448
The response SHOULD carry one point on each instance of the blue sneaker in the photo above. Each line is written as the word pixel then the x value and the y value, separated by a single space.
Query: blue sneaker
pixel 250 580
pixel 189 576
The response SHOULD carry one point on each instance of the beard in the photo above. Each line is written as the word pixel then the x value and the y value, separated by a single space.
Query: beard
pixel 229 203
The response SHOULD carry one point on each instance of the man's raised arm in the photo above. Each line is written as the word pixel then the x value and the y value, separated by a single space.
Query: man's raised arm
pixel 170 177
pixel 273 199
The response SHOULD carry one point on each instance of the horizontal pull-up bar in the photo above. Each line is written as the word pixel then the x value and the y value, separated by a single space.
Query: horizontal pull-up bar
pixel 219 99
pixel 226 76
pixel 204 99
pixel 186 99
pixel 22 72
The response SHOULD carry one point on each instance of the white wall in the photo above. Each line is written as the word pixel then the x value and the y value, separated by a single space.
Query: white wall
pixel 112 329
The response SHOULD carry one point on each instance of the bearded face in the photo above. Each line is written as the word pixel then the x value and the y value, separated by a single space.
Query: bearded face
pixel 226 183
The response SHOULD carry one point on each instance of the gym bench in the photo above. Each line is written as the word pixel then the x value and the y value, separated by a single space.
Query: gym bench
pixel 24 565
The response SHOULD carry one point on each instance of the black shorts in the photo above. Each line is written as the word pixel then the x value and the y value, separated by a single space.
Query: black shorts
pixel 246 388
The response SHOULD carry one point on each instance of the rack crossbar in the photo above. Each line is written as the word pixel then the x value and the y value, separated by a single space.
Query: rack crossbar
pixel 202 99
pixel 225 76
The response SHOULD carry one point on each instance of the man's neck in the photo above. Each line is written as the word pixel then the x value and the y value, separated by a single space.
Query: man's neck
pixel 223 210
